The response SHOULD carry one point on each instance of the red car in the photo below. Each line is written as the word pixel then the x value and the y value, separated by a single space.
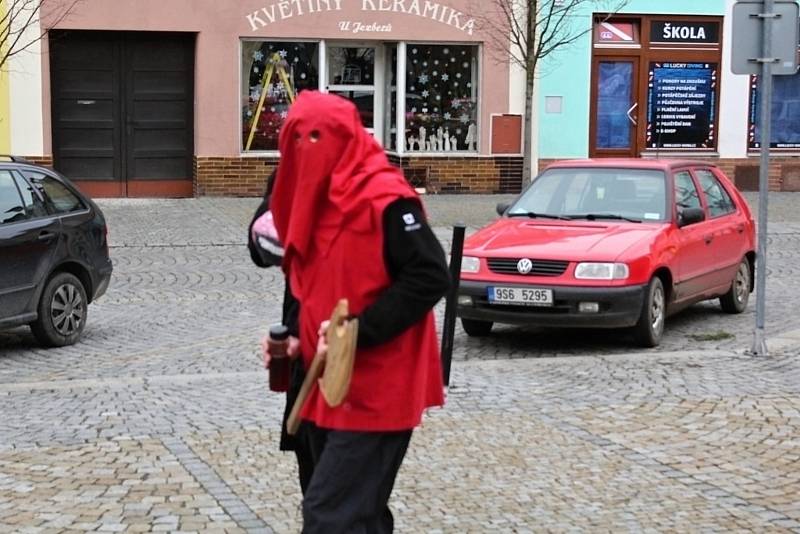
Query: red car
pixel 612 243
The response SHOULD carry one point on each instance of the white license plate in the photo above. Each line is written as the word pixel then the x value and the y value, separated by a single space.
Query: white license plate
pixel 522 296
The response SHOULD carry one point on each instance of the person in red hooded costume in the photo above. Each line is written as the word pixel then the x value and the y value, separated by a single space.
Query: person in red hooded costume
pixel 353 228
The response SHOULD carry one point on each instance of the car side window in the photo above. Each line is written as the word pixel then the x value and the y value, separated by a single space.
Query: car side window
pixel 12 208
pixel 60 199
pixel 34 206
pixel 719 201
pixel 686 194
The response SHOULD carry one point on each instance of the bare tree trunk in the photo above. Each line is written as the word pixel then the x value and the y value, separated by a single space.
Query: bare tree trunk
pixel 528 133
pixel 530 73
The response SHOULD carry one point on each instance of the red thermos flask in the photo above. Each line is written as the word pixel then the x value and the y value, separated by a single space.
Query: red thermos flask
pixel 278 342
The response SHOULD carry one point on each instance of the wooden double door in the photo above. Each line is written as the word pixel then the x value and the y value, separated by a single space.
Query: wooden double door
pixel 122 111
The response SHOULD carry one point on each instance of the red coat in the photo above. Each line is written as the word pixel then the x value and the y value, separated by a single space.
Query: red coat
pixel 392 383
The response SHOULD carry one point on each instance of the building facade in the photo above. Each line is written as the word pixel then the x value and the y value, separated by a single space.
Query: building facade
pixel 655 80
pixel 181 98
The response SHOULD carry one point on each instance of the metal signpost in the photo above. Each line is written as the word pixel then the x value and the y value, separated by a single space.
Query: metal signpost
pixel 765 44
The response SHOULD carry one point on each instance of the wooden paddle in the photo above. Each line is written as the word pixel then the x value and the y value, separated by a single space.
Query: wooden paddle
pixel 335 366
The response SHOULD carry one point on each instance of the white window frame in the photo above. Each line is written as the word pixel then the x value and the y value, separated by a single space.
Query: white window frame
pixel 379 88
pixel 401 98
pixel 320 55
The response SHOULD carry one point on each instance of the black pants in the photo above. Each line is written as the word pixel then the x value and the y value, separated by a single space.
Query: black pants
pixel 298 443
pixel 353 477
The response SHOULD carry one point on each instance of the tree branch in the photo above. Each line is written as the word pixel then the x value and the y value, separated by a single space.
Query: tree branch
pixel 23 16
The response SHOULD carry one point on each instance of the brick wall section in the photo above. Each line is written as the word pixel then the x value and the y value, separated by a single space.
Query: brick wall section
pixel 491 174
pixel 784 171
pixel 246 177
pixel 238 177
pixel 46 161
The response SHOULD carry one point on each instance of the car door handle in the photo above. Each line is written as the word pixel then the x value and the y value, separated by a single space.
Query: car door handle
pixel 708 239
pixel 740 228
pixel 46 236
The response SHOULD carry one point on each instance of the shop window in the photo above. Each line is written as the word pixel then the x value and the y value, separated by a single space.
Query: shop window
pixel 273 72
pixel 682 105
pixel 441 103
pixel 785 125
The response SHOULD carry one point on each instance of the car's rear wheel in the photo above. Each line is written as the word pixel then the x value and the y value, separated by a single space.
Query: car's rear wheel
pixel 650 327
pixel 62 311
pixel 475 328
pixel 735 300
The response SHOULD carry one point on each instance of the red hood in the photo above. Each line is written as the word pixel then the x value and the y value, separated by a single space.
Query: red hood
pixel 558 240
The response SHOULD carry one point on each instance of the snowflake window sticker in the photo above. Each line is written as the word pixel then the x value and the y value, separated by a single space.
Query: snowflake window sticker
pixel 433 75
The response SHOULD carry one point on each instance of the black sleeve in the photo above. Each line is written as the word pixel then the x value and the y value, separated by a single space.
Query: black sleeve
pixel 418 268
pixel 251 246
pixel 263 207
pixel 291 311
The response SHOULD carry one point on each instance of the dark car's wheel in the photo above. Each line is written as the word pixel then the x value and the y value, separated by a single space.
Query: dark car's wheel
pixel 476 328
pixel 650 327
pixel 62 311
pixel 735 300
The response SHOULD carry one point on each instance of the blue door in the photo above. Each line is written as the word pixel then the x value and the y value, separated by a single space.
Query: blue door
pixel 615 110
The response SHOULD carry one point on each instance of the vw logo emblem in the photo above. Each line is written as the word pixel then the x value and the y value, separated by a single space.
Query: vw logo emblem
pixel 524 266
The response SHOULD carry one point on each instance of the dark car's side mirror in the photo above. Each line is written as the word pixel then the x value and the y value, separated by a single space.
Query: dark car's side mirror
pixel 687 216
pixel 502 207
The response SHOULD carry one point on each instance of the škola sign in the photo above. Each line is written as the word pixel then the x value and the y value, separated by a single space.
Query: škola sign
pixel 285 9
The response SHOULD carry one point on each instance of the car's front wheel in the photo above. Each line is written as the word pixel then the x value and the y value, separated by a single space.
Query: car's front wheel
pixel 650 327
pixel 735 300
pixel 475 328
pixel 62 311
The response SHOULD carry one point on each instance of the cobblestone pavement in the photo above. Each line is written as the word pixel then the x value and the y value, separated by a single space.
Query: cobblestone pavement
pixel 160 420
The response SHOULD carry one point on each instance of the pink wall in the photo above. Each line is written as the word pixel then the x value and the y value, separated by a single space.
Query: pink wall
pixel 220 25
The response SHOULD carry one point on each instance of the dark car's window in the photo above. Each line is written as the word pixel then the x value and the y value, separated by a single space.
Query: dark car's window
pixel 60 199
pixel 34 206
pixel 686 195
pixel 575 192
pixel 11 207
pixel 719 201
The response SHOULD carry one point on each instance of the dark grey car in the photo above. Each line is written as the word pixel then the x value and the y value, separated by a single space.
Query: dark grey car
pixel 53 253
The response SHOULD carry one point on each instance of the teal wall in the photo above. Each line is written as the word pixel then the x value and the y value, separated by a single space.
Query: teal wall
pixel 567 73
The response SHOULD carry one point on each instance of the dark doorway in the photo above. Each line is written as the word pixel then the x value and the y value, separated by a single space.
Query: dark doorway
pixel 122 111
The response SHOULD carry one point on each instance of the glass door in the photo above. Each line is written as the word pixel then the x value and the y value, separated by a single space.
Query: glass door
pixel 615 114
pixel 355 72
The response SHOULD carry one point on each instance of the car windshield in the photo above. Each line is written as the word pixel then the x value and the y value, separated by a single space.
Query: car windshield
pixel 636 195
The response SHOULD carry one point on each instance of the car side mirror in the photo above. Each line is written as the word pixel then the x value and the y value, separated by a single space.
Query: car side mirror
pixel 687 216
pixel 502 207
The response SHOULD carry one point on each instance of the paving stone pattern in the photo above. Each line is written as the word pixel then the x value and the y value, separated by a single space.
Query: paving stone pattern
pixel 160 419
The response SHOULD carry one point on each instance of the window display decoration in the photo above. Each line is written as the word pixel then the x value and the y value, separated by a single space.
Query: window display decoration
pixel 275 72
pixel 441 109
